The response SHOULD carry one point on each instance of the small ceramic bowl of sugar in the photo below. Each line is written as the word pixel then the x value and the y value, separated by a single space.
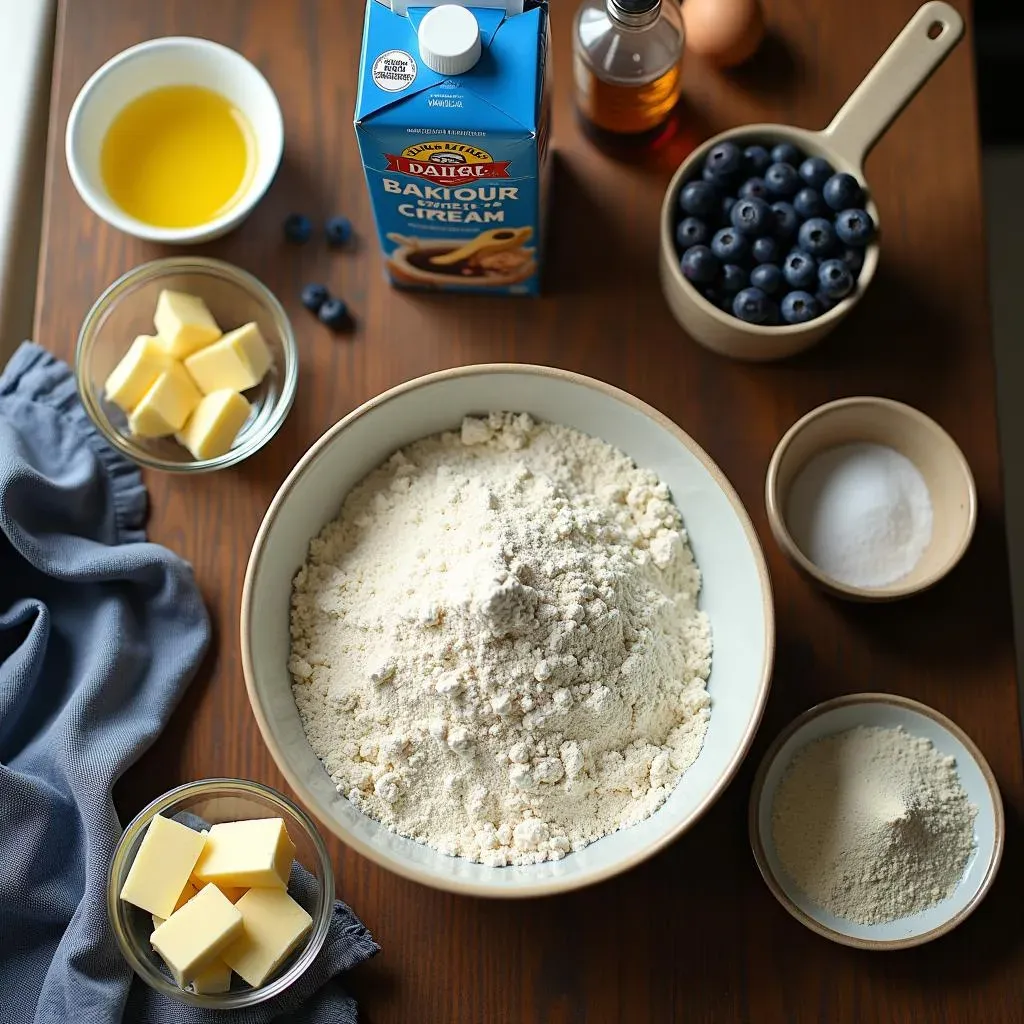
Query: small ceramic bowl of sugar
pixel 876 822
pixel 871 499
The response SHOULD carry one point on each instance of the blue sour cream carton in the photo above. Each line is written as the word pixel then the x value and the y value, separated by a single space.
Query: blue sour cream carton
pixel 453 120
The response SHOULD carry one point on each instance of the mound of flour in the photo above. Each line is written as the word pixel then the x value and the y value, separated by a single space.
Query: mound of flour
pixel 496 649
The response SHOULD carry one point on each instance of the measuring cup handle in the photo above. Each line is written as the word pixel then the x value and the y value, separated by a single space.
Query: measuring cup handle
pixel 891 84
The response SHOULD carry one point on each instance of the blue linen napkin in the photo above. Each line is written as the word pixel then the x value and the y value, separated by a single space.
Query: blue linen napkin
pixel 100 633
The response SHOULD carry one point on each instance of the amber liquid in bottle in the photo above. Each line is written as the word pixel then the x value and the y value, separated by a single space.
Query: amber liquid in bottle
pixel 626 63
pixel 627 109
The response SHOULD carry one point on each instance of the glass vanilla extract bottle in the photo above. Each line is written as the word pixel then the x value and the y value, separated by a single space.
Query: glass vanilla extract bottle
pixel 627 63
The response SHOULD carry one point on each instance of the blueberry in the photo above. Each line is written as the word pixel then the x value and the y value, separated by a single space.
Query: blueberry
pixel 786 220
pixel 808 203
pixel 782 180
pixel 297 228
pixel 835 279
pixel 699 265
pixel 338 230
pixel 765 250
pixel 723 162
pixel 751 305
pixel 767 277
pixel 751 216
pixel 729 245
pixel 854 259
pixel 786 153
pixel 334 313
pixel 314 296
pixel 691 231
pixel 855 227
pixel 816 236
pixel 756 159
pixel 800 270
pixel 734 278
pixel 727 204
pixel 699 199
pixel 754 188
pixel 815 172
pixel 799 307
pixel 842 191
pixel 825 301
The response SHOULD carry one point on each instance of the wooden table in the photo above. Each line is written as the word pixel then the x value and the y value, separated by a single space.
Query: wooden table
pixel 693 935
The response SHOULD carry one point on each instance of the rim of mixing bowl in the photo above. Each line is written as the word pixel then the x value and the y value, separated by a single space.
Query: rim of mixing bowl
pixel 450 883
pixel 321 922
pixel 153 270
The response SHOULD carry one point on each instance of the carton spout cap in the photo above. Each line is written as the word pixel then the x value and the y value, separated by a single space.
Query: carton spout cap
pixel 450 40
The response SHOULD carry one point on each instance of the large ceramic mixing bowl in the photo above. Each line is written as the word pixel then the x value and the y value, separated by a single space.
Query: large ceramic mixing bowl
pixel 736 596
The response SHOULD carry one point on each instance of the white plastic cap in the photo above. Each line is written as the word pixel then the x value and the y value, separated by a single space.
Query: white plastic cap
pixel 450 40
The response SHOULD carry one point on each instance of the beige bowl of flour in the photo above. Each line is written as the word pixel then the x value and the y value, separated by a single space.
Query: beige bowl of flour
pixel 736 596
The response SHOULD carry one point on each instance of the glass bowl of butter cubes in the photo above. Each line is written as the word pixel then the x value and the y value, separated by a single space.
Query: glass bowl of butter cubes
pixel 187 364
pixel 221 893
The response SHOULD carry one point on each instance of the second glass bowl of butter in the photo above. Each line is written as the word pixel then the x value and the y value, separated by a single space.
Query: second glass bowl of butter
pixel 125 311
pixel 216 801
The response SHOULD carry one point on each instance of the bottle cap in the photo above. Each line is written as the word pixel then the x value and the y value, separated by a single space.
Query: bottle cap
pixel 637 6
pixel 450 40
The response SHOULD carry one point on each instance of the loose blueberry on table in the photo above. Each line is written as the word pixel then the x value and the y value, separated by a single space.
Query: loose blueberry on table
pixel 771 235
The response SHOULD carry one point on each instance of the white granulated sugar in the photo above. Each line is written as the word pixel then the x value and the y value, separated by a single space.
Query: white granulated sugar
pixel 873 824
pixel 862 513
pixel 496 649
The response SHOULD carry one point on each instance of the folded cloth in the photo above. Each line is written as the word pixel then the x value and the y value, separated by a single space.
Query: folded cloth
pixel 100 632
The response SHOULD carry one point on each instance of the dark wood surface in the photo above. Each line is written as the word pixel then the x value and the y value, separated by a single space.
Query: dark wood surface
pixel 693 935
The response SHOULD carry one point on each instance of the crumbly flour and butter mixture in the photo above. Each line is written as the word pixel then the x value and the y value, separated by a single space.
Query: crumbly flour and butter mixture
pixel 496 649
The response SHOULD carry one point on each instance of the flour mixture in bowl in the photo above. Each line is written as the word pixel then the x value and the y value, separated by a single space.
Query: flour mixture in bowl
pixel 496 649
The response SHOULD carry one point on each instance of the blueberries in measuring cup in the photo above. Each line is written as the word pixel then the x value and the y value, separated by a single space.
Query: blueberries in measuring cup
pixel 699 265
pixel 756 160
pixel 729 245
pixel 800 270
pixel 751 216
pixel 855 227
pixel 754 188
pixel 699 199
pixel 782 180
pixel 842 192
pixel 751 306
pixel 786 220
pixel 765 249
pixel 723 163
pixel 691 231
pixel 799 307
pixel 771 235
pixel 786 153
pixel 808 203
pixel 768 277
pixel 815 171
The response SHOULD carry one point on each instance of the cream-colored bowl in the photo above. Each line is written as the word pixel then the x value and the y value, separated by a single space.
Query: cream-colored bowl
pixel 736 596
pixel 913 434
pixel 172 60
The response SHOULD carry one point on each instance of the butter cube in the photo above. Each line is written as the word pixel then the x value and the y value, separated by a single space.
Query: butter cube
pixel 214 980
pixel 233 894
pixel 186 894
pixel 243 854
pixel 236 362
pixel 193 938
pixel 214 425
pixel 274 926
pixel 136 373
pixel 166 406
pixel 160 872
pixel 183 324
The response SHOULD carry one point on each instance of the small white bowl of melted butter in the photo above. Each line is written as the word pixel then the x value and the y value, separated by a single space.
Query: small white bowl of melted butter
pixel 175 140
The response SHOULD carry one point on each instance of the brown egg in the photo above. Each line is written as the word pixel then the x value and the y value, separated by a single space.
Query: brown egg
pixel 724 32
